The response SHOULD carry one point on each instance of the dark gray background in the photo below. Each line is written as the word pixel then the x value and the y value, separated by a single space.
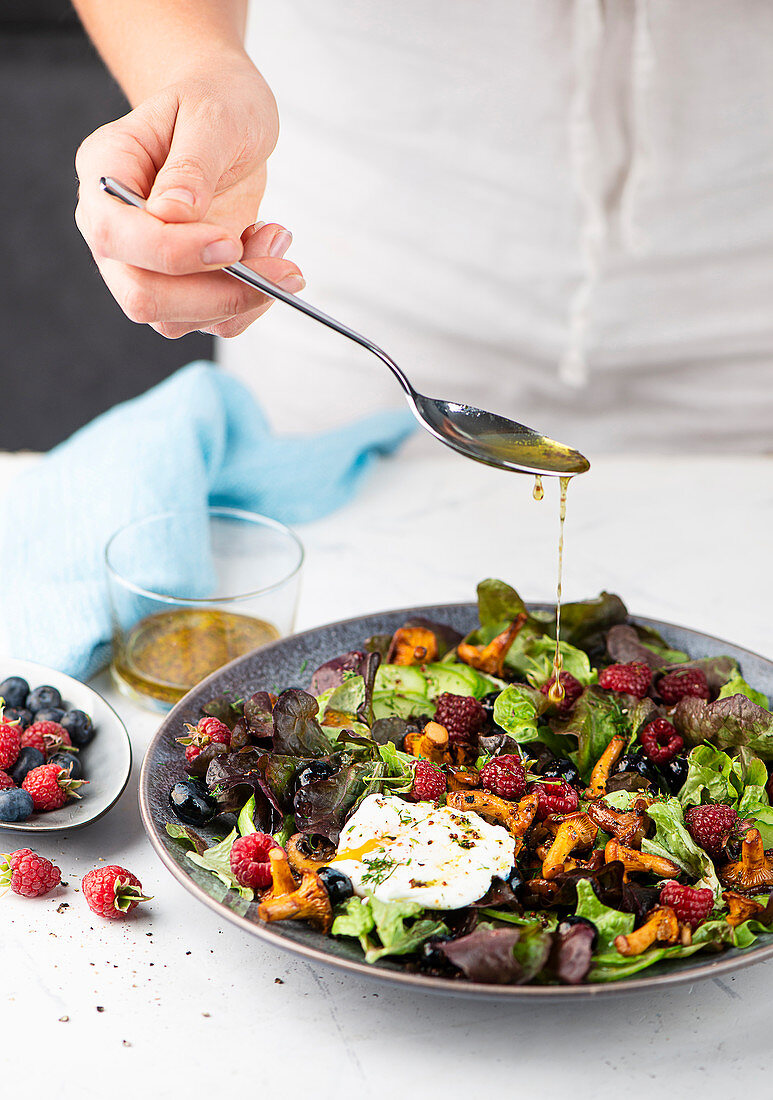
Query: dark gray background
pixel 68 353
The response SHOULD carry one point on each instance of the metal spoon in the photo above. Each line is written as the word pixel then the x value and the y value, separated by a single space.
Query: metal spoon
pixel 482 436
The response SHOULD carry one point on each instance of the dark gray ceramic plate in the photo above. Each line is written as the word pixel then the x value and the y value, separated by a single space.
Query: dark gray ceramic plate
pixel 290 663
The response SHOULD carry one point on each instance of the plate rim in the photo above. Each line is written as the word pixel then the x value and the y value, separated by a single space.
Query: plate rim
pixel 425 982
pixel 42 827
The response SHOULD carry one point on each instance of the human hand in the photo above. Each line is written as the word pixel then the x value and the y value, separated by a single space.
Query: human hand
pixel 197 150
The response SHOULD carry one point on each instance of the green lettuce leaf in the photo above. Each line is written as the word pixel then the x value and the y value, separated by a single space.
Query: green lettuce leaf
pixel 597 716
pixel 360 917
pixel 672 841
pixel 736 685
pixel 217 860
pixel 714 776
pixel 517 709
pixel 609 922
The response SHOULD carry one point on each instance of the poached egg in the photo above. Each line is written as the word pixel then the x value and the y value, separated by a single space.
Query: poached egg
pixel 439 857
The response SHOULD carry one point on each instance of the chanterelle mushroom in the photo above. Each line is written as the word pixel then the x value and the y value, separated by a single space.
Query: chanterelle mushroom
pixel 412 645
pixel 629 827
pixel 515 817
pixel 753 870
pixel 573 832
pixel 742 908
pixel 661 926
pixel 431 743
pixel 604 765
pixel 287 900
pixel 491 658
pixel 641 861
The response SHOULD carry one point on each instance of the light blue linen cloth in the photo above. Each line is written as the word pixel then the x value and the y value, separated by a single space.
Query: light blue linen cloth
pixel 197 439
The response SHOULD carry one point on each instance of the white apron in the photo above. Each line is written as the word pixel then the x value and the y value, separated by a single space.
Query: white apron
pixel 561 210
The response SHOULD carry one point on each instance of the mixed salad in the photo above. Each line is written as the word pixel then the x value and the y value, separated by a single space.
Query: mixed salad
pixel 437 798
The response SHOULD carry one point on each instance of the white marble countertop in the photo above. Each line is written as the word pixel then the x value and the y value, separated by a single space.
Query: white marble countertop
pixel 177 1002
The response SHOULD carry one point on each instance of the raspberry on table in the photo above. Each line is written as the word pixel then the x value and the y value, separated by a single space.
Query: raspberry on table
pixel 690 905
pixel 573 689
pixel 10 742
pixel 28 874
pixel 555 798
pixel 249 860
pixel 711 826
pixel 112 891
pixel 52 734
pixel 681 683
pixel 660 741
pixel 6 782
pixel 462 715
pixel 633 679
pixel 504 776
pixel 50 786
pixel 429 783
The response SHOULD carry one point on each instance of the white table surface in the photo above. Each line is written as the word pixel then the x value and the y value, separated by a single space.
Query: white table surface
pixel 176 1002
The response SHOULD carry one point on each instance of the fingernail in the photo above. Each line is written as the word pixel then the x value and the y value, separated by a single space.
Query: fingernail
pixel 281 243
pixel 293 283
pixel 221 252
pixel 179 194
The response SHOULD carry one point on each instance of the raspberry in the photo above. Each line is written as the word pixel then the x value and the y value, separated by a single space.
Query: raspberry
pixel 32 738
pixel 207 730
pixel 683 682
pixel 50 787
pixel 112 891
pixel 660 741
pixel 429 783
pixel 249 860
pixel 10 742
pixel 573 689
pixel 690 905
pixel 28 874
pixel 711 826
pixel 51 734
pixel 5 781
pixel 555 798
pixel 504 776
pixel 462 715
pixel 634 678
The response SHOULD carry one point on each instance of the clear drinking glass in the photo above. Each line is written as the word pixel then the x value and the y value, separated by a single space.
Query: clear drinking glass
pixel 192 590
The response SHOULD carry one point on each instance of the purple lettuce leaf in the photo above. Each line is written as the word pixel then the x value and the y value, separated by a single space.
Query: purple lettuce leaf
pixel 571 953
pixel 486 955
pixel 296 729
pixel 321 807
pixel 733 722
pixel 333 673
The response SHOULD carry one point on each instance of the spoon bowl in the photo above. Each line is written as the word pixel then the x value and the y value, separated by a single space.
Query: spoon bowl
pixel 476 434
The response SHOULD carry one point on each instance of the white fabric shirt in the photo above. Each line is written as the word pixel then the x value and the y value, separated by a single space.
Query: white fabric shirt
pixel 561 210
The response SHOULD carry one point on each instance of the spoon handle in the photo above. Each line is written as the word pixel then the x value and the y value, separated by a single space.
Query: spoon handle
pixel 246 275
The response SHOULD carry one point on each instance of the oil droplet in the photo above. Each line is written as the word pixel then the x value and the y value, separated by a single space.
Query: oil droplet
pixel 539 492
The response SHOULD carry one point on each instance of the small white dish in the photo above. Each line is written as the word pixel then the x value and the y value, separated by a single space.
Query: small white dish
pixel 107 760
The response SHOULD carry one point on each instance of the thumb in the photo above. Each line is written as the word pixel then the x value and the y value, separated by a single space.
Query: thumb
pixel 186 184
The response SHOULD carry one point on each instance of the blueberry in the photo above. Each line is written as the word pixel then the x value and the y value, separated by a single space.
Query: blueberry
pixel 562 769
pixel 50 714
pixel 573 919
pixel 79 727
pixel 15 691
pixel 27 759
pixel 315 769
pixel 338 885
pixel 15 804
pixel 18 714
pixel 515 880
pixel 43 696
pixel 674 773
pixel 69 761
pixel 191 803
pixel 637 762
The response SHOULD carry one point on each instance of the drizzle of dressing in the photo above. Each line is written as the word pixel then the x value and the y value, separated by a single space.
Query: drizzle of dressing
pixel 539 492
pixel 556 692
